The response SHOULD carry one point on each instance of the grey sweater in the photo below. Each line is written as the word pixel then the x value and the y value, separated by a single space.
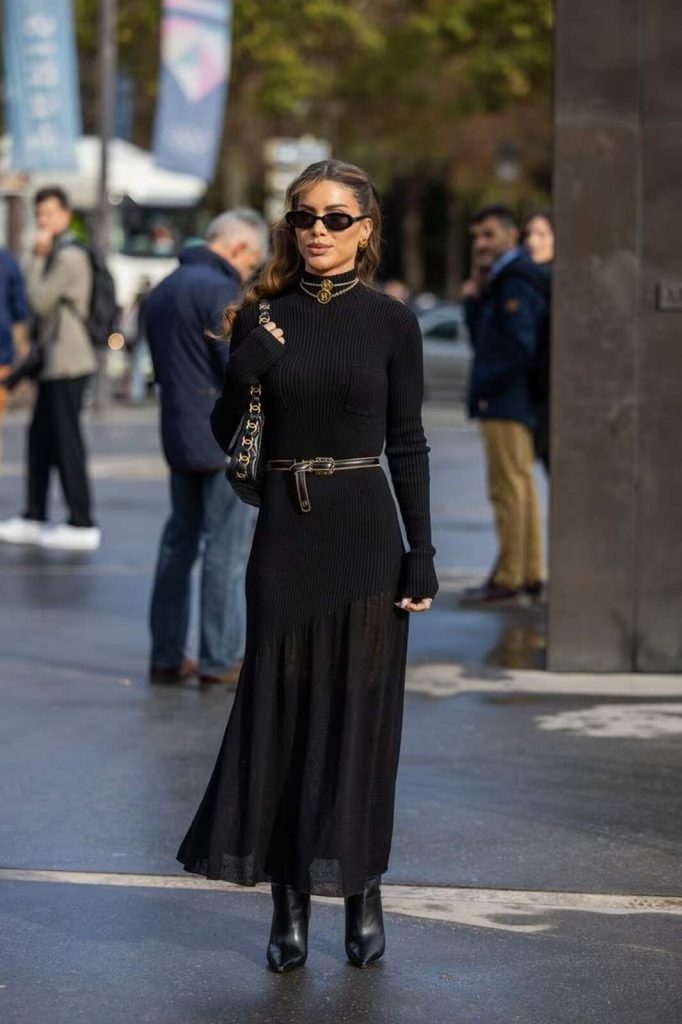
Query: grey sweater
pixel 59 293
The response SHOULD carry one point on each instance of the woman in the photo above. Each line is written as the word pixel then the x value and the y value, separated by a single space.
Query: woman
pixel 538 237
pixel 303 790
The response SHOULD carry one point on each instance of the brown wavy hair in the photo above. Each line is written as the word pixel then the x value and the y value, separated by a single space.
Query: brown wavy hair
pixel 283 268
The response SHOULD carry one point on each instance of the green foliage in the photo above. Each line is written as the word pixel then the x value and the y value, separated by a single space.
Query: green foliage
pixel 385 80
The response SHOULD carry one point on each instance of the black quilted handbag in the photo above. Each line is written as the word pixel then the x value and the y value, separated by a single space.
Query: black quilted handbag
pixel 244 463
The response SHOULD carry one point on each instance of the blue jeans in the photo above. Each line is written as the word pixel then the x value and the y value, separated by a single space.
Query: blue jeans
pixel 207 514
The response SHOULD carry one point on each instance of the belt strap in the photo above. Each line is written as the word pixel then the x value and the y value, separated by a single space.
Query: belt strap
pixel 319 466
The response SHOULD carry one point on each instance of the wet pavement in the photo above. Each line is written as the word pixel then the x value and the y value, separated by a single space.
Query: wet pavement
pixel 536 871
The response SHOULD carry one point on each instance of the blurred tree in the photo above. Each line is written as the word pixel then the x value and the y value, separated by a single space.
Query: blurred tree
pixel 138 55
pixel 396 85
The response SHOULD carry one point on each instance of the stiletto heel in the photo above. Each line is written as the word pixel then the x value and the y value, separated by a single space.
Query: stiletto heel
pixel 365 938
pixel 288 945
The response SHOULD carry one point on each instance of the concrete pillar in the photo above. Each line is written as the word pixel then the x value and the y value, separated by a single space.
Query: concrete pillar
pixel 616 509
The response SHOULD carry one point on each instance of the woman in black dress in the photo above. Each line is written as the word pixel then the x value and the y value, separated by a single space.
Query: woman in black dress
pixel 302 794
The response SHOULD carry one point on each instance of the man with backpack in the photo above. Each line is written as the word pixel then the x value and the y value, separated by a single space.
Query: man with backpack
pixel 66 307
pixel 507 306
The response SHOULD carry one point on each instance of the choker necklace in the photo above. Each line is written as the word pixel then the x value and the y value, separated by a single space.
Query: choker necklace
pixel 325 289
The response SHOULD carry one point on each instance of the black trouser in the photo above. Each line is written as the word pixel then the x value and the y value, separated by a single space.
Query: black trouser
pixel 55 439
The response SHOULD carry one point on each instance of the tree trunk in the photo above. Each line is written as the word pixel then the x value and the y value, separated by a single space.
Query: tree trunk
pixel 453 248
pixel 412 225
pixel 236 179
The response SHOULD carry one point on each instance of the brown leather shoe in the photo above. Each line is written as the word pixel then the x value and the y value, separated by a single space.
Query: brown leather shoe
pixel 173 673
pixel 228 679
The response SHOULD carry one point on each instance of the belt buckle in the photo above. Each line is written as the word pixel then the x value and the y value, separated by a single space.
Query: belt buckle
pixel 322 465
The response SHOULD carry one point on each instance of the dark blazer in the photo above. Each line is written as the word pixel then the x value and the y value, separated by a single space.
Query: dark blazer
pixel 13 304
pixel 188 366
pixel 508 325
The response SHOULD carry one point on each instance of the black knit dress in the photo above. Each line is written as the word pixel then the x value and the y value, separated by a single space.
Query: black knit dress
pixel 303 788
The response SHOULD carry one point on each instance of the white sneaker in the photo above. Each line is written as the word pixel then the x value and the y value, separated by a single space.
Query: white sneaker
pixel 71 538
pixel 21 531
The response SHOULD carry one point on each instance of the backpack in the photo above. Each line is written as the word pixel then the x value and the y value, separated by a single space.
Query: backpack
pixel 102 318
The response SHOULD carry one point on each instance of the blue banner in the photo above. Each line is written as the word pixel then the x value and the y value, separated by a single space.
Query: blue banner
pixel 42 90
pixel 195 62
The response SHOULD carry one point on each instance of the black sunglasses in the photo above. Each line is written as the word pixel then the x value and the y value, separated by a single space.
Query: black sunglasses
pixel 332 221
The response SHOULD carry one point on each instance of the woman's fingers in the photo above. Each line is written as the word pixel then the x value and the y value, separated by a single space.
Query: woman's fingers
pixel 408 604
pixel 276 331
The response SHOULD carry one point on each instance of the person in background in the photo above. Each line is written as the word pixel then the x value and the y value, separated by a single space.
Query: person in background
pixel 59 280
pixel 135 331
pixel 538 238
pixel 397 289
pixel 507 310
pixel 189 368
pixel 13 311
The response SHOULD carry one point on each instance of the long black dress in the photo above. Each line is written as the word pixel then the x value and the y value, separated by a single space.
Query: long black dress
pixel 303 788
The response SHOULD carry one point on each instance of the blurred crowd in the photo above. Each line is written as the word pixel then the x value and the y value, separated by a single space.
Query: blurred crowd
pixel 58 319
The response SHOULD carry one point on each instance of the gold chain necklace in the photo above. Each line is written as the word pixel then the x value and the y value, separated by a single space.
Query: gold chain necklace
pixel 325 291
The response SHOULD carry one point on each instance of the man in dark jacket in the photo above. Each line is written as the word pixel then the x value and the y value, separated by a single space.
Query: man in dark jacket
pixel 189 369
pixel 507 312
pixel 13 311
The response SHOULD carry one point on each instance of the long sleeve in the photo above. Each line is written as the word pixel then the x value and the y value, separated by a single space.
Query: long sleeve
pixel 407 453
pixel 472 311
pixel 17 301
pixel 253 350
pixel 521 310
pixel 214 302
pixel 64 280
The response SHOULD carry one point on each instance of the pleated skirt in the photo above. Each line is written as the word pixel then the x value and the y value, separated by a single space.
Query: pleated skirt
pixel 303 789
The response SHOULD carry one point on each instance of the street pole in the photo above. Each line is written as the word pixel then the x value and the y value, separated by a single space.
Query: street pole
pixel 107 87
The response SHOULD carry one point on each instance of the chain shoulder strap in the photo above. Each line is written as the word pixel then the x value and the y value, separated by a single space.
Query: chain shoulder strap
pixel 264 313
pixel 264 317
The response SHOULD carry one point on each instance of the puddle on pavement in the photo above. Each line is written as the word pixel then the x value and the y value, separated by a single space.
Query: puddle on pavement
pixel 480 638
pixel 515 698
pixel 521 645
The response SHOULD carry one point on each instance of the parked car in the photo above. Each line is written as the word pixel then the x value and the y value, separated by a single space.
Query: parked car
pixel 447 352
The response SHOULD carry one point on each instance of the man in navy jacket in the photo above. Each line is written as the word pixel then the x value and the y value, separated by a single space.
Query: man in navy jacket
pixel 206 514
pixel 13 310
pixel 508 314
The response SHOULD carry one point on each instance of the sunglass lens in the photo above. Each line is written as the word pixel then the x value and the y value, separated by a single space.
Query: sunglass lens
pixel 332 221
pixel 299 219
pixel 337 221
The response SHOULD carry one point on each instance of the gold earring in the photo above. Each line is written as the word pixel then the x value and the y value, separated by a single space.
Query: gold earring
pixel 362 245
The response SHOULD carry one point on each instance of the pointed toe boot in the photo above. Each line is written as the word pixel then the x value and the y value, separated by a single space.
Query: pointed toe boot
pixel 365 939
pixel 288 945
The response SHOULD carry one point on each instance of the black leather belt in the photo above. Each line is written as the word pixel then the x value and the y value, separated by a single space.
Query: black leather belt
pixel 320 466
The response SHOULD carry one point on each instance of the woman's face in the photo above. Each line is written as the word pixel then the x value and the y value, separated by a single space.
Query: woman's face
pixel 324 251
pixel 539 240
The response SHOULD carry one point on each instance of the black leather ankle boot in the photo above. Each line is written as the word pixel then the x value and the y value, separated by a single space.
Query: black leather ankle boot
pixel 288 945
pixel 365 939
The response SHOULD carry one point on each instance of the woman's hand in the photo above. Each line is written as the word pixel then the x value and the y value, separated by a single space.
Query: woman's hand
pixel 275 331
pixel 408 604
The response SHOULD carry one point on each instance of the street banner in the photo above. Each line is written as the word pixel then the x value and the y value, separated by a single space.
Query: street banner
pixel 43 107
pixel 195 62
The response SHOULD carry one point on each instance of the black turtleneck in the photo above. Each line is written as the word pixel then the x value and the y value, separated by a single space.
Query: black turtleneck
pixel 347 381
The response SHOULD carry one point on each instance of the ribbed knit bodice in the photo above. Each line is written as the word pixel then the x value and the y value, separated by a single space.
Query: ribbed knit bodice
pixel 347 381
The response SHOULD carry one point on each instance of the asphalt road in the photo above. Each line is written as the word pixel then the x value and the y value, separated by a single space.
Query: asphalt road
pixel 535 875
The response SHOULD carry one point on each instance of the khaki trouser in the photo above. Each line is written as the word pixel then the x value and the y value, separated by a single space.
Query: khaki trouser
pixel 511 488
